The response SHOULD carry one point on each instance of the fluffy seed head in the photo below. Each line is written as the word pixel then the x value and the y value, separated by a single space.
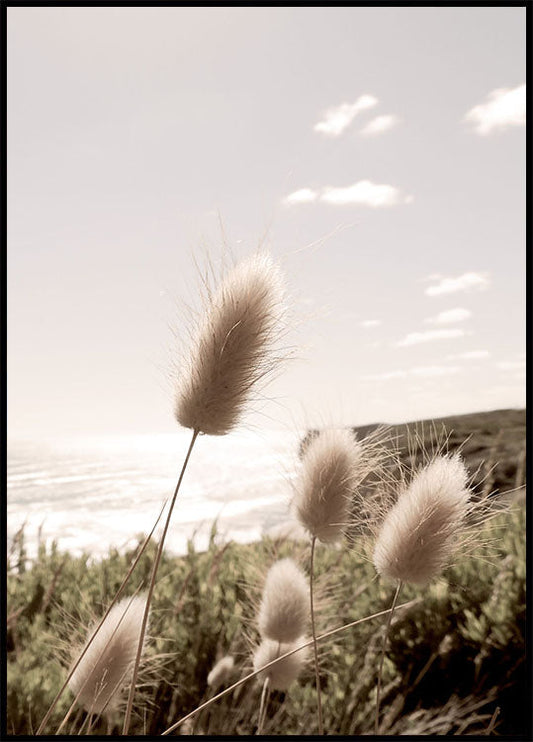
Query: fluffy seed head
pixel 220 672
pixel 422 529
pixel 107 665
pixel 232 349
pixel 285 603
pixel 284 672
pixel 332 464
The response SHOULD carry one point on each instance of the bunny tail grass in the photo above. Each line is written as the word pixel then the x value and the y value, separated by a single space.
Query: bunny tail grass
pixel 282 674
pixel 93 637
pixel 284 611
pixel 232 349
pixel 221 672
pixel 332 465
pixel 107 665
pixel 421 531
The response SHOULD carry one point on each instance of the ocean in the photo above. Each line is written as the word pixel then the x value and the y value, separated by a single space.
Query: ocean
pixel 93 493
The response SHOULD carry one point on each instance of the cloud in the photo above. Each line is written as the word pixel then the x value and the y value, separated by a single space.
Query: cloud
pixel 450 316
pixel 385 376
pixel 370 323
pixel 505 107
pixel 380 124
pixel 302 196
pixel 464 282
pixel 469 355
pixel 419 371
pixel 364 192
pixel 414 338
pixel 511 365
pixel 435 370
pixel 338 119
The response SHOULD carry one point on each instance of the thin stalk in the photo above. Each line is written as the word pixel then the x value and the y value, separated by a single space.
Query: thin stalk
pixel 93 718
pixel 282 657
pixel 493 721
pixel 151 588
pixel 389 619
pixel 262 707
pixel 75 722
pixel 87 719
pixel 315 647
pixel 117 595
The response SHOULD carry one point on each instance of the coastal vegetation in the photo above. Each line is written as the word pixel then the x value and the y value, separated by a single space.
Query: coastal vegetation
pixel 455 662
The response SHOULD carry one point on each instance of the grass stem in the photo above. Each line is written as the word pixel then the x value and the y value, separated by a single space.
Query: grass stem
pixel 315 647
pixel 155 567
pixel 262 707
pixel 386 636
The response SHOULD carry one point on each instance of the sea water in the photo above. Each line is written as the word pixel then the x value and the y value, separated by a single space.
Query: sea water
pixel 91 493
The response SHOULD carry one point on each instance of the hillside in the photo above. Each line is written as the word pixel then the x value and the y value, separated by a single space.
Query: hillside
pixel 492 443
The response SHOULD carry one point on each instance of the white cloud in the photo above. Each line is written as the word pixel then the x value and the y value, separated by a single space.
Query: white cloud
pixel 511 365
pixel 385 376
pixel 450 316
pixel 419 371
pixel 380 124
pixel 464 282
pixel 414 338
pixel 302 196
pixel 364 192
pixel 505 107
pixel 468 355
pixel 431 277
pixel 370 323
pixel 435 370
pixel 338 119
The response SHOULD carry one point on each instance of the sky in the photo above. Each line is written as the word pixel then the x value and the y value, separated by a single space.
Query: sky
pixel 378 153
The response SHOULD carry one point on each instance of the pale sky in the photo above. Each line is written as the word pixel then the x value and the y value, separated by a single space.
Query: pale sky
pixel 379 153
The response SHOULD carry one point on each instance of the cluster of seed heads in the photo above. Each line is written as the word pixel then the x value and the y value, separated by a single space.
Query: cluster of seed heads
pixel 231 352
